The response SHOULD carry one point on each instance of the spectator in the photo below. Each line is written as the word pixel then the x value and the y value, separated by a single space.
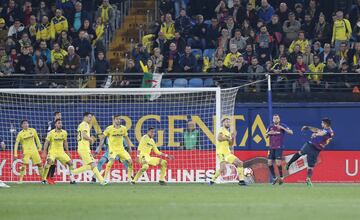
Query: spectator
pixel 78 17
pixel 264 45
pixel 44 30
pixel 198 33
pixel 3 56
pixel 317 49
pixel 102 67
pixel 179 6
pixel 308 27
pixel 255 68
pixel 280 69
pixel 354 13
pixel 299 12
pixel 66 6
pixel 179 41
pixel 41 69
pixel 188 62
pixel 16 30
pixel 3 31
pixel 218 55
pixel 107 14
pixel 246 28
pixel 296 52
pixel 212 34
pixel 161 42
pixel 239 40
pixel 291 29
pixel 327 53
pixel 249 53
pixel 250 14
pixel 24 41
pixel 231 57
pixel 342 54
pixel 224 39
pixel 172 59
pixel 88 30
pixel 308 56
pixel 140 53
pixel 130 68
pixel 166 6
pixel 219 67
pixel 354 58
pixel 316 67
pixel 99 32
pixel 283 12
pixel 299 41
pixel 266 11
pixel 58 24
pixel 168 27
pixel 300 79
pixel 230 26
pixel 5 70
pixel 330 67
pixel 64 40
pixel 237 12
pixel 72 62
pixel 356 32
pixel 25 63
pixel 343 80
pixel 240 65
pixel 313 9
pixel 26 13
pixel 44 10
pixel 10 13
pixel 32 27
pixel 322 30
pixel 83 49
pixel 57 55
pixel 341 30
pixel 191 137
pixel 183 23
pixel 275 30
pixel 157 59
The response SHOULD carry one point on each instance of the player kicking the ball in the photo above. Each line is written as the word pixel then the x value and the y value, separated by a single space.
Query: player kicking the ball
pixel 225 139
pixel 276 132
pixel 146 145
pixel 116 134
pixel 30 143
pixel 319 139
pixel 57 140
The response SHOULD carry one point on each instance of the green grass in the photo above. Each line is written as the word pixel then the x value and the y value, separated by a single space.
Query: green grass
pixel 180 201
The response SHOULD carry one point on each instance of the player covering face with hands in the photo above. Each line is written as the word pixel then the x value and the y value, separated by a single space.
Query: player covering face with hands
pixel 225 140
pixel 56 147
pixel 146 146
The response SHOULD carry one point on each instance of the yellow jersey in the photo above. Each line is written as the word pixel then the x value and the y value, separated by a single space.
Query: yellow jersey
pixel 58 56
pixel 29 141
pixel 316 69
pixel 341 30
pixel 116 137
pixel 58 25
pixel 146 145
pixel 223 147
pixel 82 143
pixel 56 139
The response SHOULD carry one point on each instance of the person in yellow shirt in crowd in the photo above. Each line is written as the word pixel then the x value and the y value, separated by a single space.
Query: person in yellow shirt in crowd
pixel 44 30
pixel 341 30
pixel 168 27
pixel 30 143
pixel 301 41
pixel 231 57
pixel 316 67
pixel 58 54
pixel 146 146
pixel 106 12
pixel 58 24
pixel 99 31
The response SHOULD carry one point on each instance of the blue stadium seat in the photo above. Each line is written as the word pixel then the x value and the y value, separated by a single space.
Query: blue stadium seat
pixel 196 82
pixel 166 83
pixel 209 82
pixel 180 83
pixel 197 53
pixel 209 53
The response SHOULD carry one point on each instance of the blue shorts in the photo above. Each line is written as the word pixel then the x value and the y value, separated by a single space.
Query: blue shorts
pixel 311 152
pixel 275 154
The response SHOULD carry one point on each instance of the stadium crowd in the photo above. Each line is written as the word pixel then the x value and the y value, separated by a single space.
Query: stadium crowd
pixel 252 36
pixel 62 36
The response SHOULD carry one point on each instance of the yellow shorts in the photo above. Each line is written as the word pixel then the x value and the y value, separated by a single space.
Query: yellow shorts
pixel 33 155
pixel 123 155
pixel 153 161
pixel 228 158
pixel 58 155
pixel 86 156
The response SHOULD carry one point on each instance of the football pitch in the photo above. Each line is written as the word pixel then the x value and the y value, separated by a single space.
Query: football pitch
pixel 180 201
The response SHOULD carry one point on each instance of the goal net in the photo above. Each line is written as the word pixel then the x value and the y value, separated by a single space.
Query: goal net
pixel 186 120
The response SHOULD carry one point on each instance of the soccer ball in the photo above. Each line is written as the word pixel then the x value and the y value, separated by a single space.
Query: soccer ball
pixel 248 172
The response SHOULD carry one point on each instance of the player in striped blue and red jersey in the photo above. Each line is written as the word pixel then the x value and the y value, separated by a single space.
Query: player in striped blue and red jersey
pixel 276 132
pixel 319 139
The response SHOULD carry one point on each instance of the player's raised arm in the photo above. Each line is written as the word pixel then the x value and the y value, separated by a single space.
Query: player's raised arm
pixel 312 129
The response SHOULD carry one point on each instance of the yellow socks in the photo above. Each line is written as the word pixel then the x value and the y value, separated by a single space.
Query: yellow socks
pixel 108 167
pixel 81 169
pixel 98 175
pixel 163 170
pixel 140 172
pixel 22 172
pixel 46 171
pixel 216 175
pixel 240 171
pixel 130 171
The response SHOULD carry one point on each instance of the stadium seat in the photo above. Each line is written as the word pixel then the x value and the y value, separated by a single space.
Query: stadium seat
pixel 209 53
pixel 196 82
pixel 180 83
pixel 197 53
pixel 209 82
pixel 166 83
